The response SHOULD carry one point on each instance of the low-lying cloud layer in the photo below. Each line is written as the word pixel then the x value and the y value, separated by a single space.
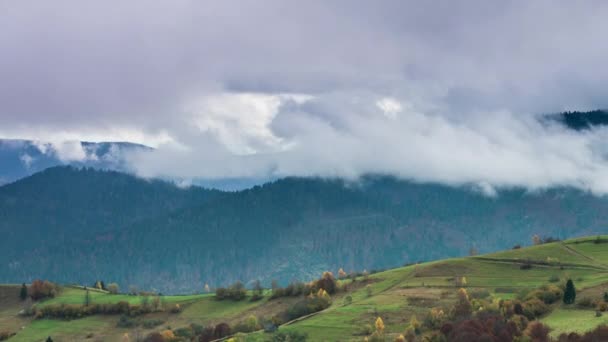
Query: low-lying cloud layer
pixel 436 91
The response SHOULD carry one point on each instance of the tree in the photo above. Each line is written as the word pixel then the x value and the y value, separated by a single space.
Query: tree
pixel 368 290
pixel 23 292
pixel 415 324
pixel 569 292
pixel 252 323
pixel 113 288
pixel 327 282
pixel 49 339
pixel 167 335
pixel 606 297
pixel 473 251
pixel 463 307
pixel 379 325
pixel 536 240
pixel 207 288
pixel 42 289
pixel 87 298
pixel 342 274
pixel 258 291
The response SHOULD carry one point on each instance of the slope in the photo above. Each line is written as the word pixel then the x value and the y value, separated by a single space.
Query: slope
pixel 395 295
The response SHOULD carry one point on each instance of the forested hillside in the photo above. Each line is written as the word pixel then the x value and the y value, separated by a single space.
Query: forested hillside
pixel 75 225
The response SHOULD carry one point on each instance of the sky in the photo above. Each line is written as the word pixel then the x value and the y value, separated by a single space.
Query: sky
pixel 433 91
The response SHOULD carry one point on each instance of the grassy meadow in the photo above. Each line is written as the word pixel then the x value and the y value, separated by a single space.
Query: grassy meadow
pixel 395 295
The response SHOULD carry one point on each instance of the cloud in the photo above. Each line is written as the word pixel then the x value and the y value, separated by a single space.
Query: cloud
pixel 434 91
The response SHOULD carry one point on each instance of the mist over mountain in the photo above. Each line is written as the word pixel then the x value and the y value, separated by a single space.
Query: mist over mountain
pixel 21 158
pixel 77 225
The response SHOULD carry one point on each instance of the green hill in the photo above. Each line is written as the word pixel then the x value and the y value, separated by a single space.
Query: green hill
pixel 394 295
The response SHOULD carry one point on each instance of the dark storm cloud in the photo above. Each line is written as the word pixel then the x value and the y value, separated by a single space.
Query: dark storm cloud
pixel 440 91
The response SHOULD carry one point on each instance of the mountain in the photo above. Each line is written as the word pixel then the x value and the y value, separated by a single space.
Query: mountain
pixel 582 120
pixel 75 225
pixel 21 158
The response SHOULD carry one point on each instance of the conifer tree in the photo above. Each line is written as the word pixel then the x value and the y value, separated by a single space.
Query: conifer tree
pixel 569 292
pixel 23 292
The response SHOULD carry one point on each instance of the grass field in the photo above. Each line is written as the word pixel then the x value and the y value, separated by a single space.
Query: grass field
pixel 396 296
pixel 70 295
pixel 573 320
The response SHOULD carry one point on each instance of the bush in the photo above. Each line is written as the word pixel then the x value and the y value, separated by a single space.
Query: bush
pixel 292 336
pixel 151 323
pixel 537 331
pixel 5 335
pixel 327 282
pixel 176 309
pixel 535 308
pixel 72 311
pixel 236 292
pixel 549 294
pixel 126 322
pixel 197 329
pixel 185 332
pixel 586 302
pixel 480 294
pixel 113 288
pixel 42 289
pixel 154 337
pixel 307 306
pixel 598 334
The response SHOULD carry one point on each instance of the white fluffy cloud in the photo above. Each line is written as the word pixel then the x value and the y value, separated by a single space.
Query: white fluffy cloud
pixel 433 91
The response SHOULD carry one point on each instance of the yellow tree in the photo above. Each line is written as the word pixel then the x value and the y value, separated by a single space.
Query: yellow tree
pixel 415 324
pixel 400 338
pixel 341 274
pixel 207 288
pixel 379 325
pixel 168 335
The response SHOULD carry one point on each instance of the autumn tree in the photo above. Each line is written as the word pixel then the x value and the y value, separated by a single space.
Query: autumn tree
pixel 463 307
pixel 42 289
pixel 342 274
pixel 328 282
pixel 167 335
pixel 207 289
pixel 536 240
pixel 415 324
pixel 379 326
